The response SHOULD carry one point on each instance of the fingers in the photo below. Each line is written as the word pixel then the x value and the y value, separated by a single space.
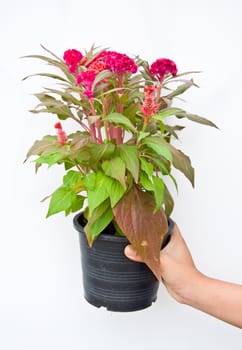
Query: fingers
pixel 131 254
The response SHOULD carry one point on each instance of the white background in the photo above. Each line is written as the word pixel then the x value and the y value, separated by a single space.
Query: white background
pixel 41 303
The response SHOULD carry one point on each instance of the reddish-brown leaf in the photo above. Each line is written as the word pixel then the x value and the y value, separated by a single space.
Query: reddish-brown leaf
pixel 134 214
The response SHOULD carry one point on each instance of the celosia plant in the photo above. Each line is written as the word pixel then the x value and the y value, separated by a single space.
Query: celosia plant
pixel 120 155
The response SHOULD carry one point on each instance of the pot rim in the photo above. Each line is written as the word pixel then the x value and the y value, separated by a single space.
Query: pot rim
pixel 110 237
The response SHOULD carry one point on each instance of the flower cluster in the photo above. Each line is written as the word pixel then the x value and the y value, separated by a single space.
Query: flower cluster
pixel 150 107
pixel 72 59
pixel 61 134
pixel 107 60
pixel 162 67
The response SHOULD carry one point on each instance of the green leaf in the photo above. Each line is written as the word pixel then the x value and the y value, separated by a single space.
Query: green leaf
pixel 50 159
pixel 159 146
pixel 163 165
pixel 100 76
pixel 80 139
pixel 77 204
pixel 120 120
pixel 181 89
pixel 142 135
pixel 100 192
pixel 89 180
pixel 182 162
pixel 65 96
pixel 71 178
pixel 159 188
pixel 40 146
pixel 146 182
pixel 171 129
pixel 100 152
pixel 115 168
pixel 145 230
pixel 98 221
pixel 48 75
pixel 168 202
pixel 129 154
pixel 131 110
pixel 147 167
pixel 116 191
pixel 166 113
pixel 197 119
pixel 61 200
pixel 53 106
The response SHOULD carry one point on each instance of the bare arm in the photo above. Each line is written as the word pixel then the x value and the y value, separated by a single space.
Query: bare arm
pixel 189 286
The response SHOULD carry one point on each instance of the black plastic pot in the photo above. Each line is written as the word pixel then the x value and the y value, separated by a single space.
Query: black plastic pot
pixel 110 279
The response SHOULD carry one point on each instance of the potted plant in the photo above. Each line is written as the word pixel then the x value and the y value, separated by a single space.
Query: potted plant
pixel 116 164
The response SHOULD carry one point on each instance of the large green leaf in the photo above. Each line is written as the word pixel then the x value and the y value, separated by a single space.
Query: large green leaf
pixel 115 168
pixel 100 152
pixel 146 182
pixel 116 191
pixel 50 159
pixel 179 160
pixel 100 192
pixel 158 145
pixel 61 200
pixel 120 120
pixel 145 230
pixel 129 154
pixel 98 221
pixel 72 178
pixel 182 162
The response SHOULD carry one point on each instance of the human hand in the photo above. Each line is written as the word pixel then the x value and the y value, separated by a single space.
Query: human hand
pixel 178 269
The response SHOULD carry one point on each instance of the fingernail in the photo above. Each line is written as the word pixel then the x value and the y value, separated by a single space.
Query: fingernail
pixel 129 251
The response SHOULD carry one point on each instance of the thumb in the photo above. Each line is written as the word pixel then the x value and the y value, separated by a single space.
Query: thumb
pixel 131 253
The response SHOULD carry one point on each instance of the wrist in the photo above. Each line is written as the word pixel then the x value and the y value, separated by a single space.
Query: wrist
pixel 192 287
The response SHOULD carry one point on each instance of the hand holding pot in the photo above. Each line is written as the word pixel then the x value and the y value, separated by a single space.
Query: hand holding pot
pixel 187 285
pixel 178 268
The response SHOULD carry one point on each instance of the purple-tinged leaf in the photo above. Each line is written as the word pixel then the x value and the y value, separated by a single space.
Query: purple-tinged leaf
pixel 145 230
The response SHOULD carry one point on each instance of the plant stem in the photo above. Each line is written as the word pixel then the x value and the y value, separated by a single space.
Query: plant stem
pixel 84 126
pixel 93 126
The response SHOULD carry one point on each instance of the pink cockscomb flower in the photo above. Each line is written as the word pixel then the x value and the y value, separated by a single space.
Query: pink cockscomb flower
pixel 61 135
pixel 116 62
pixel 162 67
pixel 119 63
pixel 150 107
pixel 86 78
pixel 72 59
pixel 97 66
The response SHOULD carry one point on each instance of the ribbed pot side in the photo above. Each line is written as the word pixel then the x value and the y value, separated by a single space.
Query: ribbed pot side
pixel 110 279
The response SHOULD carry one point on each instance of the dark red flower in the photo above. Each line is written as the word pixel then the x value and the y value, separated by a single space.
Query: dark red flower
pixel 150 107
pixel 72 59
pixel 61 135
pixel 116 62
pixel 86 78
pixel 161 67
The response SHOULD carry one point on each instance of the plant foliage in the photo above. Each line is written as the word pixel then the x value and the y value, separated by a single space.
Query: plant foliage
pixel 117 161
